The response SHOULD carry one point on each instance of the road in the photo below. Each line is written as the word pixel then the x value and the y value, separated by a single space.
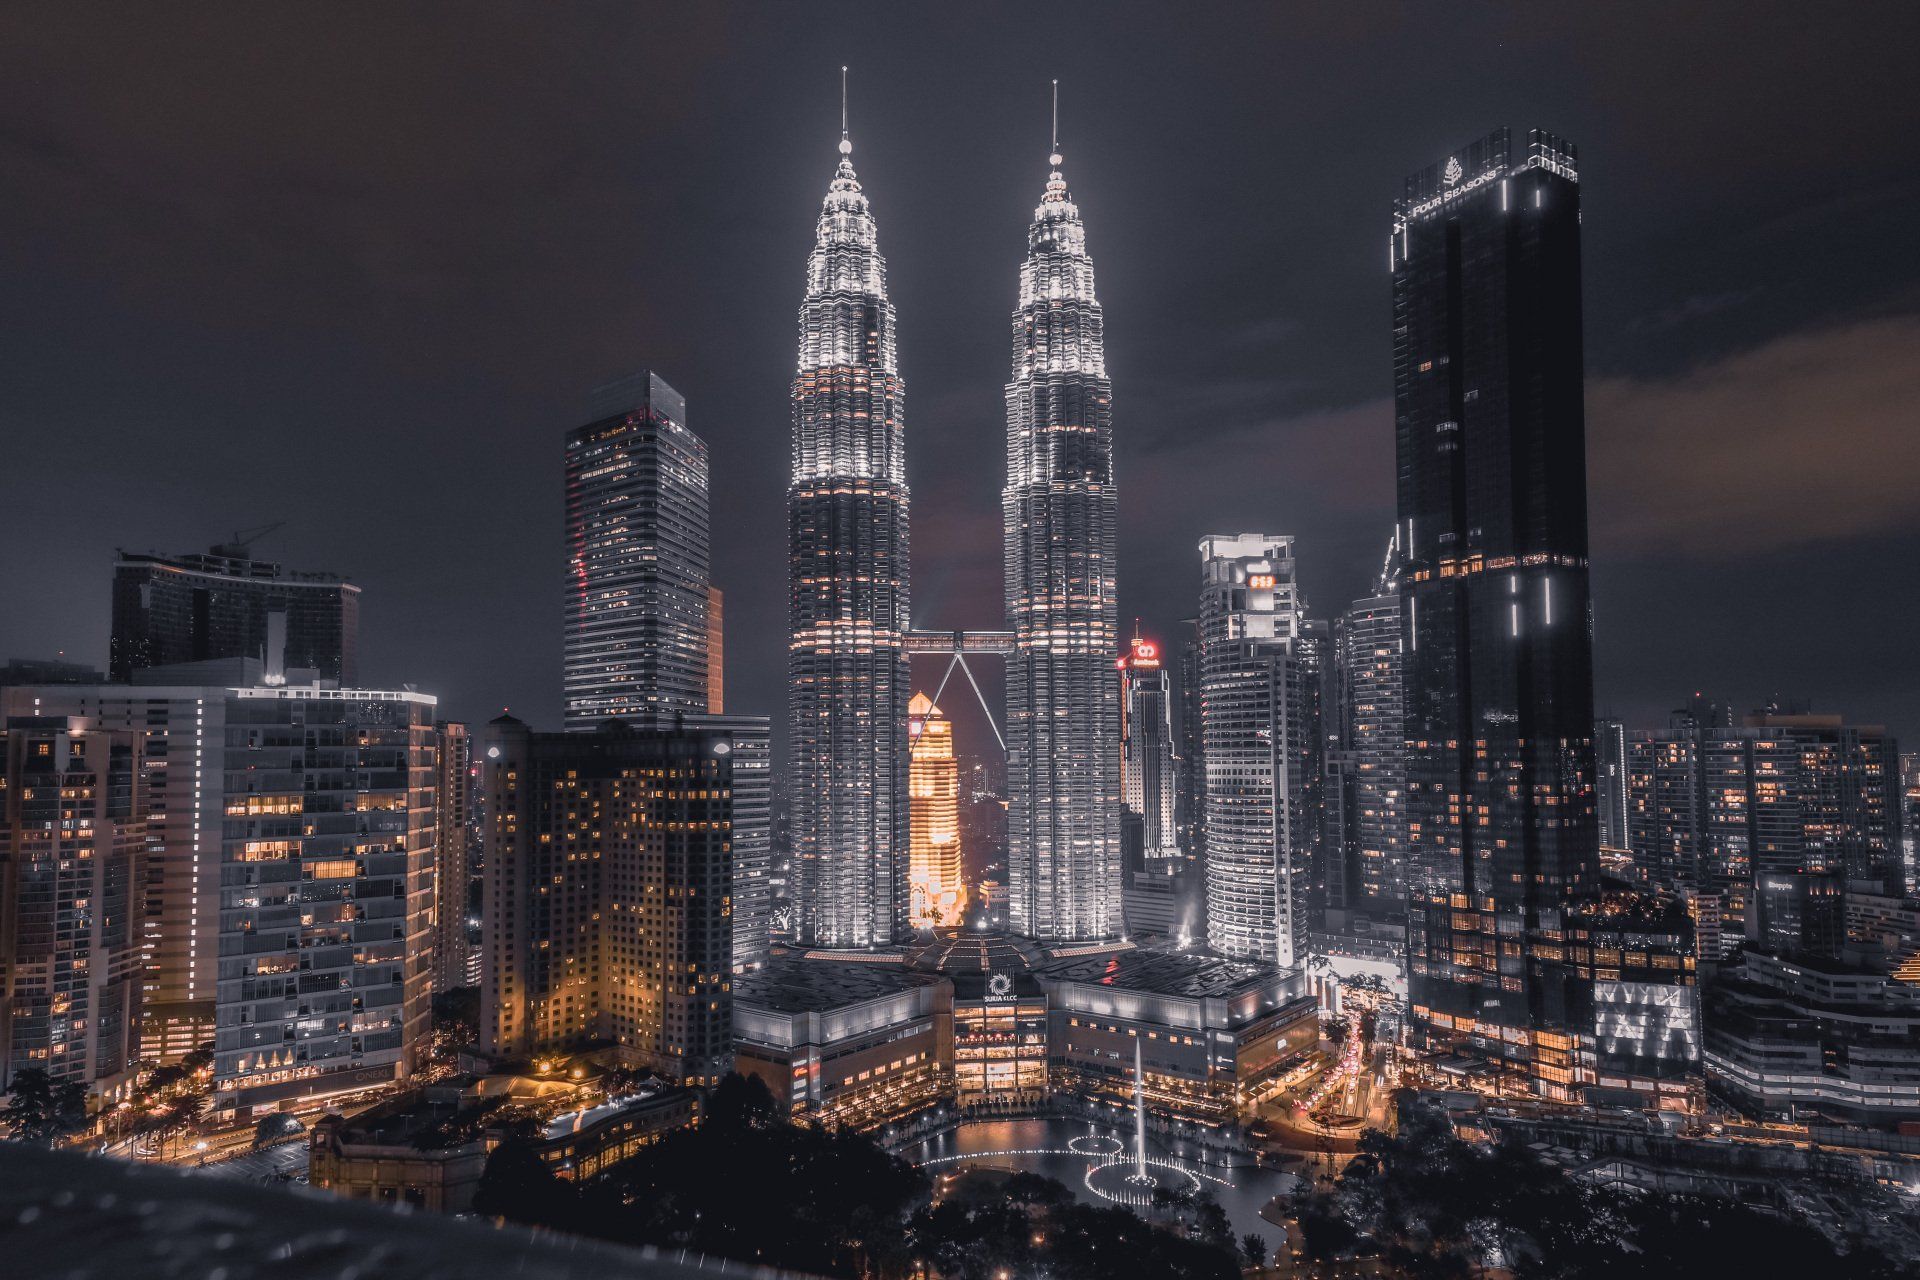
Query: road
pixel 288 1160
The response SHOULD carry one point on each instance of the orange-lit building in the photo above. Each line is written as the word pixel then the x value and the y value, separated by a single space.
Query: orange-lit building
pixel 939 896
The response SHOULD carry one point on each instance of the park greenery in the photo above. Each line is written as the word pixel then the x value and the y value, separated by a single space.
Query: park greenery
pixel 1422 1203
pixel 748 1185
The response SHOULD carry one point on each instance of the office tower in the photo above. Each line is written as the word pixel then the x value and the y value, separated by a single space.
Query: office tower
pixel 607 911
pixel 1910 816
pixel 287 904
pixel 1063 715
pixel 1146 746
pixel 1258 741
pixel 1488 404
pixel 195 608
pixel 1610 772
pixel 72 836
pixel 939 894
pixel 453 830
pixel 1775 816
pixel 637 574
pixel 1371 710
pixel 1191 796
pixel 847 677
pixel 751 843
pixel 716 652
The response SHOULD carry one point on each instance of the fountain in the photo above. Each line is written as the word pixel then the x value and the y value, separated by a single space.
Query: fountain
pixel 1140 1177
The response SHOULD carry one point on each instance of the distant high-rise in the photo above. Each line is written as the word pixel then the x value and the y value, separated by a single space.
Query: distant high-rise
pixel 453 832
pixel 637 571
pixel 1372 709
pixel 1063 715
pixel 847 676
pixel 1489 411
pixel 935 874
pixel 618 929
pixel 1147 782
pixel 1610 772
pixel 1190 797
pixel 196 608
pixel 1770 815
pixel 716 652
pixel 1258 744
pixel 73 818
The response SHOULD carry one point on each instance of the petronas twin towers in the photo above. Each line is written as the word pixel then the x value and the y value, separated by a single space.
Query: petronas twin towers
pixel 848 681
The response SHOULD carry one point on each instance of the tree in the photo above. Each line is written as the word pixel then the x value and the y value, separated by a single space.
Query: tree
pixel 740 1102
pixel 41 1111
pixel 517 1185
pixel 1254 1246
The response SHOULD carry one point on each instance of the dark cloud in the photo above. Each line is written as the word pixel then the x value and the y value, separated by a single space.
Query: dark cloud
pixel 354 266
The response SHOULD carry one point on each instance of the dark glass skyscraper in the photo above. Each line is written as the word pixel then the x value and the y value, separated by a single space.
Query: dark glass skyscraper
pixel 847 677
pixel 637 569
pixel 1063 705
pixel 1489 415
pixel 197 608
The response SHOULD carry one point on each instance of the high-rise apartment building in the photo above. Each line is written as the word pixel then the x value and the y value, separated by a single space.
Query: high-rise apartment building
pixel 1489 413
pixel 72 840
pixel 1776 816
pixel 1147 779
pixel 607 907
pixel 847 675
pixel 286 909
pixel 637 612
pixel 454 835
pixel 936 878
pixel 1063 715
pixel 1259 741
pixel 196 608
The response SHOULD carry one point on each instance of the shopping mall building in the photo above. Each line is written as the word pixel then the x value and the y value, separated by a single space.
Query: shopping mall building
pixel 984 1021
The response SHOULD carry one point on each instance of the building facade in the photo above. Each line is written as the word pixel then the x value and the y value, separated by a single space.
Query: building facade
pixel 1063 717
pixel 197 608
pixel 1759 812
pixel 325 977
pixel 72 844
pixel 454 834
pixel 847 671
pixel 1259 743
pixel 936 878
pixel 1147 779
pixel 1489 412
pixel 607 903
pixel 1610 780
pixel 1371 713
pixel 636 636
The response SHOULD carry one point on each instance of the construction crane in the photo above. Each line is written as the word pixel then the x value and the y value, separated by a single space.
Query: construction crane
pixel 237 546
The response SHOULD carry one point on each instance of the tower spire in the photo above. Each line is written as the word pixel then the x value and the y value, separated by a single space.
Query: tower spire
pixel 1055 159
pixel 846 147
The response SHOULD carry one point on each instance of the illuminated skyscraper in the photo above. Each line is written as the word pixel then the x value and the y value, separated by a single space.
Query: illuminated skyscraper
pixel 1063 714
pixel 847 678
pixel 637 571
pixel 1258 731
pixel 1146 746
pixel 939 895
pixel 1488 402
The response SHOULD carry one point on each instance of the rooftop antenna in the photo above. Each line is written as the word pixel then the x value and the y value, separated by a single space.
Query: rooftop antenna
pixel 1056 122
pixel 846 147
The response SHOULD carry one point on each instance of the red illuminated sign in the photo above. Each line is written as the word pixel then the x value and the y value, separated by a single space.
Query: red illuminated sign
pixel 1260 581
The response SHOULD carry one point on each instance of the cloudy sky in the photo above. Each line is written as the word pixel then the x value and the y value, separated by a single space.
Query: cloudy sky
pixel 355 268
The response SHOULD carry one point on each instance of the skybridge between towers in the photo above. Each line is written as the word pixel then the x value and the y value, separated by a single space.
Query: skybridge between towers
pixel 958 646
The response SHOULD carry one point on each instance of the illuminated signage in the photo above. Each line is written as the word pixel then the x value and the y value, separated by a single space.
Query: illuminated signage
pixel 1145 655
pixel 1260 581
pixel 1453 171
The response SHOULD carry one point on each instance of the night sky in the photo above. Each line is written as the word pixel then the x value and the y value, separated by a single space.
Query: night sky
pixel 356 269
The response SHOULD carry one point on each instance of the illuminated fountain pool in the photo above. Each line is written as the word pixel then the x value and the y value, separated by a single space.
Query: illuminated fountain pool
pixel 1099 1164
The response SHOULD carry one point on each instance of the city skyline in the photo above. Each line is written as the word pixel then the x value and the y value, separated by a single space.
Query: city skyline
pixel 1682 328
